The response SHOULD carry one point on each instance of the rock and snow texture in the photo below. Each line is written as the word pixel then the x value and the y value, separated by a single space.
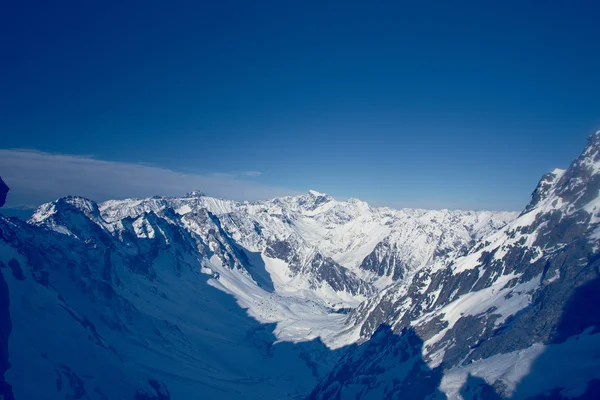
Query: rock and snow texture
pixel 138 309
pixel 376 246
pixel 171 297
pixel 516 317
pixel 198 297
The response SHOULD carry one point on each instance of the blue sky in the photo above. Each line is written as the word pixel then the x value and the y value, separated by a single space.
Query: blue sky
pixel 442 105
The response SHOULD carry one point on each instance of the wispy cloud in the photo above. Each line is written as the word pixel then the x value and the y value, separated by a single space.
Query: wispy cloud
pixel 36 177
pixel 236 174
pixel 251 173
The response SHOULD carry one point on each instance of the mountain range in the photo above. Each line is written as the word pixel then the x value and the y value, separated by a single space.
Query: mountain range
pixel 304 296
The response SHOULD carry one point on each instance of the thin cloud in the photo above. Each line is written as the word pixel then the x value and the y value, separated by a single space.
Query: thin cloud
pixel 237 174
pixel 251 173
pixel 36 177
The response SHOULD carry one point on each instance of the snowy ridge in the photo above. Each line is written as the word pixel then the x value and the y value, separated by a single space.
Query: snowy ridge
pixel 164 297
pixel 283 250
pixel 346 231
pixel 126 274
pixel 135 317
pixel 507 299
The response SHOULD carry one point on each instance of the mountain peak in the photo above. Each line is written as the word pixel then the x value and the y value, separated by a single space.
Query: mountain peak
pixel 544 188
pixel 578 185
pixel 591 154
pixel 64 204
pixel 314 193
pixel 195 193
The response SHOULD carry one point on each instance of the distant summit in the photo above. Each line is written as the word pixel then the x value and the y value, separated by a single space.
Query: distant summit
pixel 315 193
pixel 195 193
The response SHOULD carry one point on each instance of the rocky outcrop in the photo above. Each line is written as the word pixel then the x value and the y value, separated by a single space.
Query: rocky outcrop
pixel 3 192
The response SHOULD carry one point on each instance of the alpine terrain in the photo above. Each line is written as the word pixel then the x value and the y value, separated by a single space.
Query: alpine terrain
pixel 304 297
pixel 516 317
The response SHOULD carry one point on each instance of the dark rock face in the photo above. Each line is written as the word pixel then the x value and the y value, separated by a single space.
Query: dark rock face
pixel 313 200
pixel 216 239
pixel 382 260
pixel 319 268
pixel 389 259
pixel 339 278
pixel 279 249
pixel 3 192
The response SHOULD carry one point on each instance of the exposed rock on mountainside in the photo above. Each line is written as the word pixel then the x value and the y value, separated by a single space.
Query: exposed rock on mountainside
pixel 375 245
pixel 126 291
pixel 171 297
pixel 487 320
pixel 129 310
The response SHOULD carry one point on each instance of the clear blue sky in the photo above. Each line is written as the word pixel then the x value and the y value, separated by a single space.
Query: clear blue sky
pixel 458 104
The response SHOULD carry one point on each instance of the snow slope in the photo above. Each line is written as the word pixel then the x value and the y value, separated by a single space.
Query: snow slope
pixel 132 310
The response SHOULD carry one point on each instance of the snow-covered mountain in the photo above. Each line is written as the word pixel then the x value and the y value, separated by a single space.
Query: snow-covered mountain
pixel 138 309
pixel 516 317
pixel 198 297
pixel 374 245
